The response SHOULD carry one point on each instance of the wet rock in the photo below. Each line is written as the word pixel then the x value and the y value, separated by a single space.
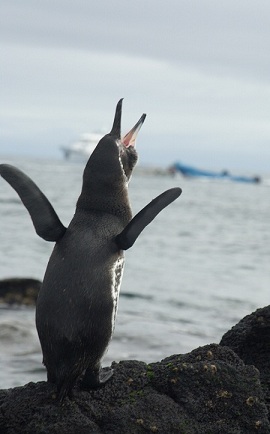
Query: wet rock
pixel 19 291
pixel 250 339
pixel 209 390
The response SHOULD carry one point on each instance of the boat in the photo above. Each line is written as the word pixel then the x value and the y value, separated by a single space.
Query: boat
pixel 83 147
pixel 192 172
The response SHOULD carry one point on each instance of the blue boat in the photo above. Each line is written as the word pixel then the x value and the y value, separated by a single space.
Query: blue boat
pixel 191 172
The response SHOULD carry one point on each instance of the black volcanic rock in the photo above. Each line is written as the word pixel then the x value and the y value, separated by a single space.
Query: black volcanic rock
pixel 208 391
pixel 19 291
pixel 250 340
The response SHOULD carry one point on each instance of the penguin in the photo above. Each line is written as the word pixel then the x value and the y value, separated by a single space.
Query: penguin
pixel 77 303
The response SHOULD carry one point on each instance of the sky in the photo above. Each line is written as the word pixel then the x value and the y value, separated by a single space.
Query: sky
pixel 200 69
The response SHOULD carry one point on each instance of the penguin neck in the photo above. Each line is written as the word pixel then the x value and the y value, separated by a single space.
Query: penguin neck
pixel 105 198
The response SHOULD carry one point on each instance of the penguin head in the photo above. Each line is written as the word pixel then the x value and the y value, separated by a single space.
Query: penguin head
pixel 127 154
pixel 109 169
pixel 114 157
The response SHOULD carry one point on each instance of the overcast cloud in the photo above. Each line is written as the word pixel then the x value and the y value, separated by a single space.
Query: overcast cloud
pixel 199 69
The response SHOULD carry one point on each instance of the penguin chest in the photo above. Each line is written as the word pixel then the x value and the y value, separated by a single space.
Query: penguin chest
pixel 116 279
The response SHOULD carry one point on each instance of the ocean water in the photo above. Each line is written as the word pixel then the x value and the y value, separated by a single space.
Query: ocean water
pixel 193 273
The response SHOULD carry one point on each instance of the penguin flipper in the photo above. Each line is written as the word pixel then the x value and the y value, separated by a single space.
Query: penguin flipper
pixel 46 222
pixel 128 236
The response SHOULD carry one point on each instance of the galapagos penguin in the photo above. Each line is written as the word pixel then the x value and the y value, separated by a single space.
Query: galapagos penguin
pixel 77 303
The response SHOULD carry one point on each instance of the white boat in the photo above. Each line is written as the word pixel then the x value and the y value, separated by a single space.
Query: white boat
pixel 83 147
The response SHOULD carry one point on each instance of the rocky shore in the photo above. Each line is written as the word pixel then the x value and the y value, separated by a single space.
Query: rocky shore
pixel 215 389
pixel 20 291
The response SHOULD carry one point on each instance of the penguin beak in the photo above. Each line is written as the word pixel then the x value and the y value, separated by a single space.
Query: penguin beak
pixel 130 138
pixel 116 128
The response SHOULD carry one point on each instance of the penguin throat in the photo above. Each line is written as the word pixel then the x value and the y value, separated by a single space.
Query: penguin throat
pixel 127 157
pixel 123 170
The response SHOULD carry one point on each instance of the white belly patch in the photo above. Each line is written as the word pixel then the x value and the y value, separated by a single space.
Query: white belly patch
pixel 117 273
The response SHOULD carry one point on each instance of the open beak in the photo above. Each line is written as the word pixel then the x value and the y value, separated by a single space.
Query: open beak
pixel 130 138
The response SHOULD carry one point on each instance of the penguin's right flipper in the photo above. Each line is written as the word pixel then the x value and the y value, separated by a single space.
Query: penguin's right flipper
pixel 46 222
pixel 128 236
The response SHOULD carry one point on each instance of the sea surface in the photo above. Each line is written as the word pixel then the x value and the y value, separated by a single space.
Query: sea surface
pixel 201 266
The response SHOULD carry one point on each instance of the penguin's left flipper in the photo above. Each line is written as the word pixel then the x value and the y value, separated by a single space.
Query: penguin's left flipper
pixel 128 236
pixel 46 222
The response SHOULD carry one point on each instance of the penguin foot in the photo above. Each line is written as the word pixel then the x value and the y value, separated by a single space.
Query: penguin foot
pixel 105 375
pixel 95 379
